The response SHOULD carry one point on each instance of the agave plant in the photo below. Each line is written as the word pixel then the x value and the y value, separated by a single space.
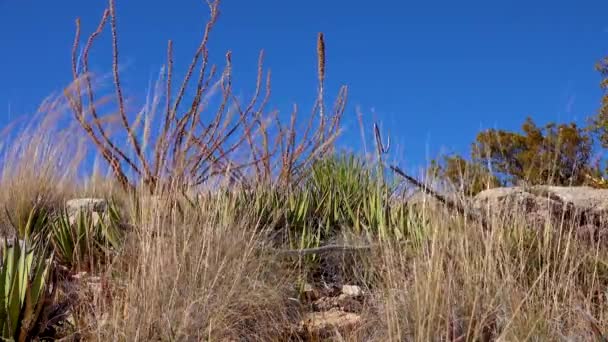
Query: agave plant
pixel 24 290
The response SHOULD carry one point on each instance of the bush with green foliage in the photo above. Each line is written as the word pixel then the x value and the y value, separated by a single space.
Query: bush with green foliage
pixel 553 154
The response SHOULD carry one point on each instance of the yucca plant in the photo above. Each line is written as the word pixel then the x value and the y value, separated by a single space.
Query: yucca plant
pixel 340 194
pixel 24 280
pixel 374 212
pixel 82 240
pixel 301 228
pixel 338 184
pixel 111 234
pixel 73 242
pixel 265 204
pixel 33 226
pixel 348 194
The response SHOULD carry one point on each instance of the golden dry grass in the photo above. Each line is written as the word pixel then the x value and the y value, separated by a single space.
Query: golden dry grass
pixel 199 274
pixel 209 268
pixel 39 162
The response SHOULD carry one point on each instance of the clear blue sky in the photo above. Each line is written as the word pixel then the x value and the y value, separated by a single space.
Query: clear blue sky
pixel 433 72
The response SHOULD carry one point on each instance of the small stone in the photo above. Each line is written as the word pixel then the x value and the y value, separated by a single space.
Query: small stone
pixel 324 323
pixel 351 290
pixel 95 206
pixel 308 288
pixel 11 242
pixel 80 275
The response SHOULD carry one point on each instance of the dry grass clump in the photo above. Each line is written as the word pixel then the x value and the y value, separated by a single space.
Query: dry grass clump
pixel 511 283
pixel 198 274
pixel 39 163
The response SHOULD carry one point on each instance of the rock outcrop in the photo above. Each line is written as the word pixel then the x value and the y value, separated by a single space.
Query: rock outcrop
pixel 583 209
pixel 588 204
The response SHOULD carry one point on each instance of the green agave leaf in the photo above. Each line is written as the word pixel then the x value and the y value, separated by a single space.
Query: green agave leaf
pixel 15 263
pixel 36 224
pixel 34 300
pixel 4 284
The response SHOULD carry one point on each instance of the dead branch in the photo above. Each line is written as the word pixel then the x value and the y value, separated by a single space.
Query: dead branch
pixel 323 250
pixel 451 205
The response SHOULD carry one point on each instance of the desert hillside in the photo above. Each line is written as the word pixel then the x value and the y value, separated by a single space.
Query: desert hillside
pixel 207 215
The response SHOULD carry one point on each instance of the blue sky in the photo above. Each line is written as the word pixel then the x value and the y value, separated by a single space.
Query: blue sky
pixel 434 73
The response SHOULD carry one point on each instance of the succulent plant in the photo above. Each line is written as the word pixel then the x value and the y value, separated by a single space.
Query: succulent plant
pixel 24 290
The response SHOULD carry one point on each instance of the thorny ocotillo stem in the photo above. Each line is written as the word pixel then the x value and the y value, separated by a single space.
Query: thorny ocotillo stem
pixel 181 122
pixel 121 106
pixel 160 143
pixel 75 102
pixel 91 95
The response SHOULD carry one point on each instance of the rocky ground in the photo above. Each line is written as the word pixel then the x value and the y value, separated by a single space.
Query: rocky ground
pixel 331 308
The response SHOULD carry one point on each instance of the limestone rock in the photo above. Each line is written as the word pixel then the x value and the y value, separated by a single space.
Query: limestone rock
pixel 97 205
pixel 578 207
pixel 583 198
pixel 352 290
